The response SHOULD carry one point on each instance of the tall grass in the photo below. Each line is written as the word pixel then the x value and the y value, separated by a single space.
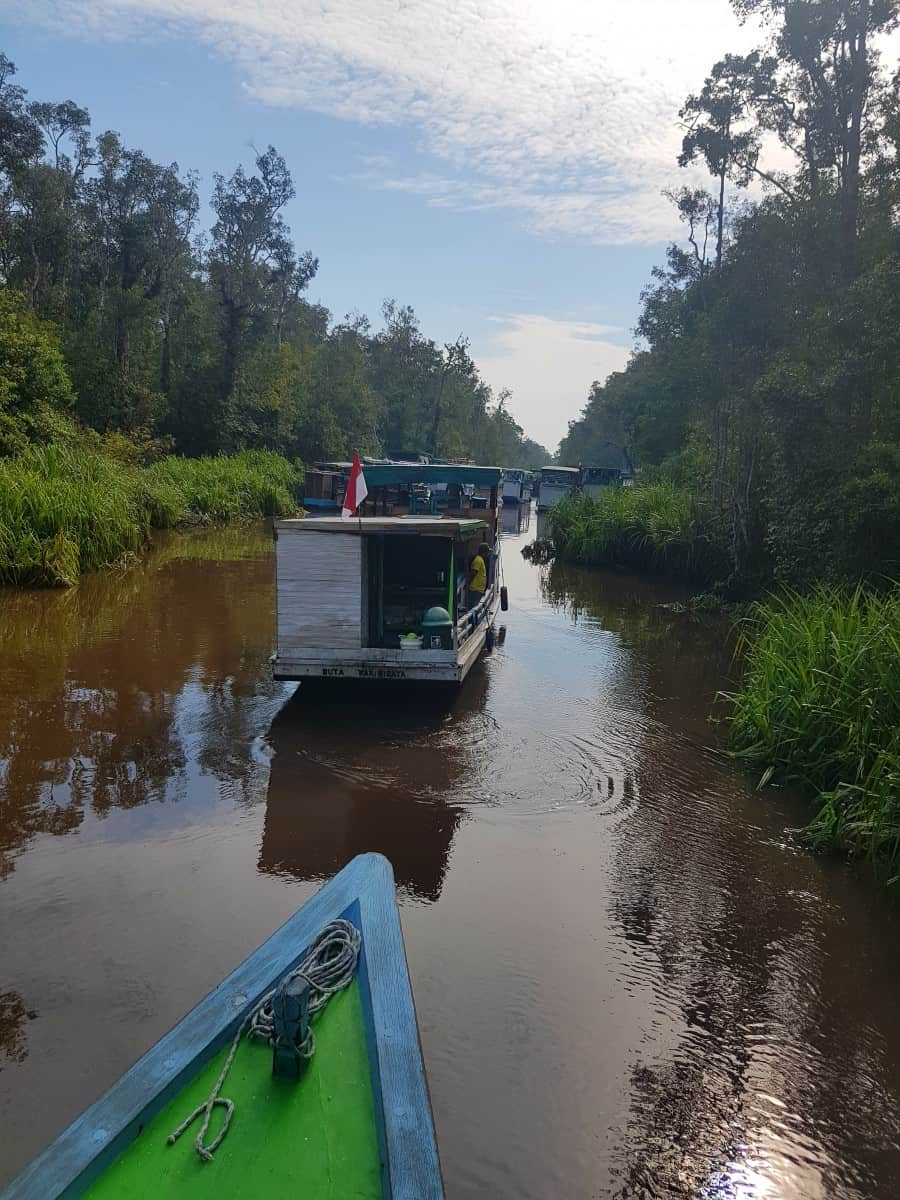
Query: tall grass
pixel 656 527
pixel 820 706
pixel 66 509
pixel 255 483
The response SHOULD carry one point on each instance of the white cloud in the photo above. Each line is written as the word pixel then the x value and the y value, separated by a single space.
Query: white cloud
pixel 565 111
pixel 549 366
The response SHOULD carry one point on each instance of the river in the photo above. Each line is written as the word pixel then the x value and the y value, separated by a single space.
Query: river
pixel 630 979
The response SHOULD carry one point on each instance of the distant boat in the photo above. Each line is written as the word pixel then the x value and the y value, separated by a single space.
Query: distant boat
pixel 516 486
pixel 323 489
pixel 357 1122
pixel 611 468
pixel 557 482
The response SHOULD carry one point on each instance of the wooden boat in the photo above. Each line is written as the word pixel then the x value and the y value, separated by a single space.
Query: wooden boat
pixel 516 486
pixel 323 489
pixel 556 482
pixel 350 593
pixel 358 1121
pixel 612 468
pixel 513 486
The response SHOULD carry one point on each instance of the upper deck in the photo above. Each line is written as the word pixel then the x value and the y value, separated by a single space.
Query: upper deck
pixel 403 474
pixel 568 474
pixel 437 526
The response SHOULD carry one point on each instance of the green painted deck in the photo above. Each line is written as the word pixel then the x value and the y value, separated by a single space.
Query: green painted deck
pixel 315 1138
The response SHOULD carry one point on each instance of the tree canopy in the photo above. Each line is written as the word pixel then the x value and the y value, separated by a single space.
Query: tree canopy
pixel 768 375
pixel 200 331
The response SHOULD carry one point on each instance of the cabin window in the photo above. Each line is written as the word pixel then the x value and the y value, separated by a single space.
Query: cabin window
pixel 559 478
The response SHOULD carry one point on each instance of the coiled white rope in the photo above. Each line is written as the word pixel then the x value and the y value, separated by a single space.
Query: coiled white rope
pixel 328 968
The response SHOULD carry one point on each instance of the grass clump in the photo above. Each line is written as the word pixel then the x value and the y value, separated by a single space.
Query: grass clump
pixel 820 706
pixel 656 527
pixel 65 510
pixel 70 507
pixel 254 483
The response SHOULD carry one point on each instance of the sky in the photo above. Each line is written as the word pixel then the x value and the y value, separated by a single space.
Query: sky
pixel 497 164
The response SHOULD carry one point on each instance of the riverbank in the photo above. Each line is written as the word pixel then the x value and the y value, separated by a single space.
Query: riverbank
pixel 69 508
pixel 819 708
pixel 656 527
pixel 818 705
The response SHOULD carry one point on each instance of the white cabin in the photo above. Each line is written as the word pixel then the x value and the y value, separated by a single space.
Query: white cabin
pixel 350 594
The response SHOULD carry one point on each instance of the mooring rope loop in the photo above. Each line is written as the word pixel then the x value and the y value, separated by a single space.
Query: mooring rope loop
pixel 328 968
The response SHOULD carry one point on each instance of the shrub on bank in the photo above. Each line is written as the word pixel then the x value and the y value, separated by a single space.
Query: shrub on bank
pixel 819 706
pixel 34 385
pixel 64 511
pixel 254 483
pixel 68 508
pixel 656 526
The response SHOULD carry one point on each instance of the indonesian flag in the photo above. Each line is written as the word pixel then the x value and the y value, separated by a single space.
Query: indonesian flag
pixel 356 490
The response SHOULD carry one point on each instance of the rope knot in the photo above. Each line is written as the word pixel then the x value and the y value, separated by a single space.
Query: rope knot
pixel 282 1020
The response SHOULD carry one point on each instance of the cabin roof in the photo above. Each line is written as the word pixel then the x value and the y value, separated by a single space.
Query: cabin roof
pixel 391 474
pixel 438 526
pixel 551 467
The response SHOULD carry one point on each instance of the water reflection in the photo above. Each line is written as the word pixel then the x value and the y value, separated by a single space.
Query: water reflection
pixel 117 692
pixel 515 519
pixel 359 768
pixel 747 1084
pixel 14 1019
pixel 630 982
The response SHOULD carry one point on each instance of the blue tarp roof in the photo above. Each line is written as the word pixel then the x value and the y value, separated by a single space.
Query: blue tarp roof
pixel 394 474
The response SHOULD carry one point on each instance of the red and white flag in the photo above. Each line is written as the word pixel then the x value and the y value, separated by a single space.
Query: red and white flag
pixel 356 490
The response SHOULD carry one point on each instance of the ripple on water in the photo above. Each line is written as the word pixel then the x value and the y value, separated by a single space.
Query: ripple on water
pixel 630 981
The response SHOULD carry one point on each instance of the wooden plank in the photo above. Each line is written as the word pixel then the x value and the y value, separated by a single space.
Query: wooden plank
pixel 371 654
pixel 364 892
pixel 319 590
pixel 412 1156
pixel 471 651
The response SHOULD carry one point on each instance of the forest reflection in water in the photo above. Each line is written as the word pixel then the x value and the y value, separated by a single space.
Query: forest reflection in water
pixel 631 980
pixel 117 691
pixel 764 1076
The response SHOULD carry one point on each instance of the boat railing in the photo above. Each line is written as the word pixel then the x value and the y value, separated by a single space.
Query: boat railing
pixel 471 618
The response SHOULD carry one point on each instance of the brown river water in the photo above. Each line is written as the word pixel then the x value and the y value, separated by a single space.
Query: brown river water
pixel 631 981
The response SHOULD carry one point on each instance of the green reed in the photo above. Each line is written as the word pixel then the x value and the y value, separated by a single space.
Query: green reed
pixel 819 706
pixel 254 483
pixel 656 527
pixel 70 508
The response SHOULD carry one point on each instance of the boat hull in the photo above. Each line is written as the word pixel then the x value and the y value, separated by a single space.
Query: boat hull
pixel 363 892
pixel 550 495
pixel 373 663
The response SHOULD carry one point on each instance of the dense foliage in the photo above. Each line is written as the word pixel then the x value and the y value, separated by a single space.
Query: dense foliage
pixel 768 382
pixel 820 707
pixel 202 337
pixel 656 527
pixel 33 379
pixel 70 507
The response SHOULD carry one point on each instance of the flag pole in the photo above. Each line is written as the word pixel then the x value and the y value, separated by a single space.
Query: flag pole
pixel 355 494
pixel 359 506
